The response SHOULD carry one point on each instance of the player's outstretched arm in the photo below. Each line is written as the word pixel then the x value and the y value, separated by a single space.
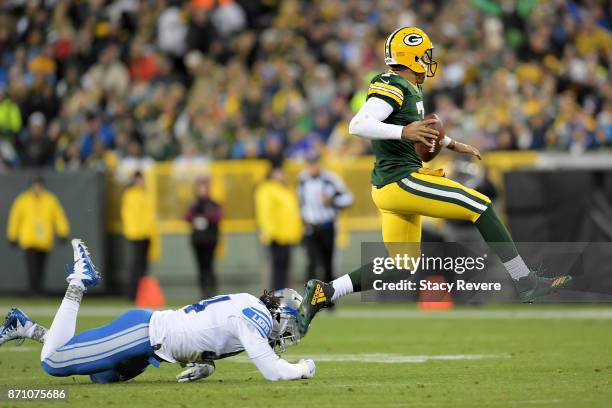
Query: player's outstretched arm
pixel 271 366
pixel 459 147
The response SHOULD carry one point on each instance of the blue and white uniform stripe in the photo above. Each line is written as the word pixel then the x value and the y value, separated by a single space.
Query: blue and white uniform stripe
pixel 101 349
pixel 262 321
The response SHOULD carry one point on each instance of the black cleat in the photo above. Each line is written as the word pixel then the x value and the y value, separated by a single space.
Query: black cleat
pixel 317 296
pixel 532 286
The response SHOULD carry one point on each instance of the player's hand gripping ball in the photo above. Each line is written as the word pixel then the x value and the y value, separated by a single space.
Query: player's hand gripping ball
pixel 428 153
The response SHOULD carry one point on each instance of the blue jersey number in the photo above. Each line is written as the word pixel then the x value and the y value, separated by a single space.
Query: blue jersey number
pixel 202 304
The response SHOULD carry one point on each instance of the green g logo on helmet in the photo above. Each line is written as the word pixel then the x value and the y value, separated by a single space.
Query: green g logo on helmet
pixel 413 39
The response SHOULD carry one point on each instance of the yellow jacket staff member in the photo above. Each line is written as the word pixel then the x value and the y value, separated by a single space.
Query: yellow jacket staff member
pixel 277 213
pixel 139 228
pixel 35 217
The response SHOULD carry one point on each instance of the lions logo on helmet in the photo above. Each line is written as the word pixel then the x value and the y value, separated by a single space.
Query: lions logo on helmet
pixel 412 48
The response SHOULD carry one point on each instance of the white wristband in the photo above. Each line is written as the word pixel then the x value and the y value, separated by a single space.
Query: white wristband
pixel 446 141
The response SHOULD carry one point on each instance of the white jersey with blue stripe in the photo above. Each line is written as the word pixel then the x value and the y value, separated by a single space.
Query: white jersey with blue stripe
pixel 213 328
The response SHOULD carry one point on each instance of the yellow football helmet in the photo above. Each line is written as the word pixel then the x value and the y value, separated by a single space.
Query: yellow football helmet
pixel 412 48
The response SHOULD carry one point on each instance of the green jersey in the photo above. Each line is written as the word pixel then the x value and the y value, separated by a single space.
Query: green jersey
pixel 395 159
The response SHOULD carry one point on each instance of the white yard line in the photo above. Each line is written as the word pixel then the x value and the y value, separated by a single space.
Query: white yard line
pixel 471 403
pixel 523 314
pixel 11 348
pixel 597 314
pixel 389 358
pixel 88 311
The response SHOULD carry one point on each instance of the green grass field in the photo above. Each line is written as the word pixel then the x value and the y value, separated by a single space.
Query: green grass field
pixel 373 355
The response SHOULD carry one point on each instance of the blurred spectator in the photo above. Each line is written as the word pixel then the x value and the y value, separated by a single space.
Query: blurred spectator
pixel 171 31
pixel 277 214
pixel 109 74
pixel 143 65
pixel 10 126
pixel 189 162
pixel 228 17
pixel 95 131
pixel 604 121
pixel 10 117
pixel 35 148
pixel 204 215
pixel 140 229
pixel 45 101
pixel 202 35
pixel 274 151
pixel 321 195
pixel 102 160
pixel 300 144
pixel 134 162
pixel 71 158
pixel 35 217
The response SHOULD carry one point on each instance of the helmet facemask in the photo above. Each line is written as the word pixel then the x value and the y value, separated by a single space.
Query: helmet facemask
pixel 284 331
pixel 284 320
pixel 428 62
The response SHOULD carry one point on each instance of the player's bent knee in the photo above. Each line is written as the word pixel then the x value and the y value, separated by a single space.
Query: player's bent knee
pixel 55 371
pixel 106 377
pixel 52 364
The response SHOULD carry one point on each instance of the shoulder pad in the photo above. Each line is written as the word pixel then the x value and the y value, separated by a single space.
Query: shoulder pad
pixel 262 321
pixel 388 86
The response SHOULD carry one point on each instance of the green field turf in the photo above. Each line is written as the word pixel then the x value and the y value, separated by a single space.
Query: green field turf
pixel 377 356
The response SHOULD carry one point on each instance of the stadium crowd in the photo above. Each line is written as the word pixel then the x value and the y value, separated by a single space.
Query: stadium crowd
pixel 104 84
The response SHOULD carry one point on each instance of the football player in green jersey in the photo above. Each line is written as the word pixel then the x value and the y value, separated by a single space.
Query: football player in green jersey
pixel 393 119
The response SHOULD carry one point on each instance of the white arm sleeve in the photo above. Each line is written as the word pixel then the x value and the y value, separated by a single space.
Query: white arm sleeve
pixel 271 366
pixel 368 122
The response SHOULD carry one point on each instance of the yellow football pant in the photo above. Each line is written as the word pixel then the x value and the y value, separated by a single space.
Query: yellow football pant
pixel 428 193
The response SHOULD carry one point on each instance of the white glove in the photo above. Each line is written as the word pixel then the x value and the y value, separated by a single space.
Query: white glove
pixel 196 371
pixel 309 368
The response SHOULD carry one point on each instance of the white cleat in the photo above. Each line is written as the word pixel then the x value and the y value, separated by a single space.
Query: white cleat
pixel 83 268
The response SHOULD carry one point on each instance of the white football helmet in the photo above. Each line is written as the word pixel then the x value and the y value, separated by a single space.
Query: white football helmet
pixel 284 320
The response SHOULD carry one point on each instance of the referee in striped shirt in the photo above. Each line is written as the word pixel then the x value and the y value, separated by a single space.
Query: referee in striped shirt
pixel 321 195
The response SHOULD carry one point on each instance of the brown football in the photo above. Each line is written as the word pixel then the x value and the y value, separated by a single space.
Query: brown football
pixel 427 153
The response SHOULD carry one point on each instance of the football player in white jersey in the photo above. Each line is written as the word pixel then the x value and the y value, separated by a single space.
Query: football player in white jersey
pixel 193 336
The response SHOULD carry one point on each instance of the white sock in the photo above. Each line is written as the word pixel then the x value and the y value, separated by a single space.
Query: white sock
pixel 77 282
pixel 64 323
pixel 37 332
pixel 342 287
pixel 516 268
